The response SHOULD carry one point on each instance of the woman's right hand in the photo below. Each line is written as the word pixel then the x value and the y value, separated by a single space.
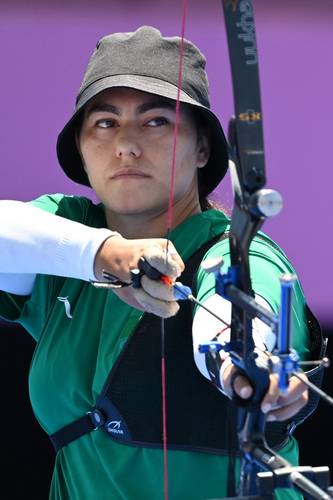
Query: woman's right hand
pixel 119 256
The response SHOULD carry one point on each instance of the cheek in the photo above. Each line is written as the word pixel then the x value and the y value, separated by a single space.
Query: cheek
pixel 94 154
pixel 186 171
pixel 187 159
pixel 187 147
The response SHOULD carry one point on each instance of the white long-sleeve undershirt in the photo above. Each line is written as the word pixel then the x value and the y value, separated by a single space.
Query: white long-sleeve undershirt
pixel 33 242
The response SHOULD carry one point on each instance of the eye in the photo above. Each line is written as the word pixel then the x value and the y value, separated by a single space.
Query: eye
pixel 158 121
pixel 105 123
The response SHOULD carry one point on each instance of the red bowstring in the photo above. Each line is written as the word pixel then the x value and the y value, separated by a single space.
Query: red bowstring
pixel 164 414
pixel 175 136
pixel 169 227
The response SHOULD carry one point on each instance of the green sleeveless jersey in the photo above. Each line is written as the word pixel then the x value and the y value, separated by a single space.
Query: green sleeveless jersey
pixel 80 332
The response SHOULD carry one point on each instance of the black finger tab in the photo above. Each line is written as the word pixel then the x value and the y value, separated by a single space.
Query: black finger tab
pixel 148 270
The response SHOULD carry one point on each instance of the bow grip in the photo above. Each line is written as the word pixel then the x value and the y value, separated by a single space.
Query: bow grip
pixel 258 378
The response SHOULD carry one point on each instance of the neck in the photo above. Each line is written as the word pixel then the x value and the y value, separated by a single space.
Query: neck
pixel 150 224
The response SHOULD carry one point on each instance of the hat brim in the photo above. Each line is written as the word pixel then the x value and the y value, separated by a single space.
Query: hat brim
pixel 208 177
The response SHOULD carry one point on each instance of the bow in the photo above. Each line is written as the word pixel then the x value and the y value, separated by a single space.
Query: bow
pixel 252 205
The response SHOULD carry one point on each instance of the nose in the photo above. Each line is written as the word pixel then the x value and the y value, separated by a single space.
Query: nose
pixel 128 146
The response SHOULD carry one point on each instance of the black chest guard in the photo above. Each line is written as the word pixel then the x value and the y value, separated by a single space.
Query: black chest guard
pixel 197 413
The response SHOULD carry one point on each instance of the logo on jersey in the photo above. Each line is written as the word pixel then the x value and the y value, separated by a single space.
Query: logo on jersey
pixel 67 306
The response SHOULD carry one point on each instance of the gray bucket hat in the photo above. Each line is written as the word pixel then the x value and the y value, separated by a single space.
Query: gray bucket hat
pixel 146 61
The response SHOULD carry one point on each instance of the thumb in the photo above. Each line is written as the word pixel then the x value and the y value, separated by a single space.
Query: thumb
pixel 242 387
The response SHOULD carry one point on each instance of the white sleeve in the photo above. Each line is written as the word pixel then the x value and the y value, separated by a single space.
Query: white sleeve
pixel 206 328
pixel 33 241
pixel 20 284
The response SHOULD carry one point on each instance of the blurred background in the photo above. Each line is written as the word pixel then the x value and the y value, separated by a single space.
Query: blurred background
pixel 44 51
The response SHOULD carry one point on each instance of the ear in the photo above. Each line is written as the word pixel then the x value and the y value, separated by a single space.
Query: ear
pixel 203 150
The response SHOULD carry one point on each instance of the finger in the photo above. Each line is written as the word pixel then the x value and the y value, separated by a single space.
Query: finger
pixel 242 387
pixel 286 412
pixel 157 289
pixel 158 259
pixel 126 294
pixel 295 389
pixel 170 251
pixel 274 398
pixel 161 308
pixel 272 394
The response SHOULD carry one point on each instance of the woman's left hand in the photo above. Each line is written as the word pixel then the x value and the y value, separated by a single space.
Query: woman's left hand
pixel 276 405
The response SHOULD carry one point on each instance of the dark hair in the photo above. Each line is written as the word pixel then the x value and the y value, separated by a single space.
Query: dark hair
pixel 207 204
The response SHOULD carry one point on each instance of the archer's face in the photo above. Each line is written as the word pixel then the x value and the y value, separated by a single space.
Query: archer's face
pixel 126 143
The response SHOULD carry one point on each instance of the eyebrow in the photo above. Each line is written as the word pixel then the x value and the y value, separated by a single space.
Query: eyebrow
pixel 143 108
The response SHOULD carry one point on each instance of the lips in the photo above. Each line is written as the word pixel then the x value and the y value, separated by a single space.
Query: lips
pixel 129 173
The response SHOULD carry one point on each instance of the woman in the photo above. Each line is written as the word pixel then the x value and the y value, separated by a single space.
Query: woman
pixel 119 141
